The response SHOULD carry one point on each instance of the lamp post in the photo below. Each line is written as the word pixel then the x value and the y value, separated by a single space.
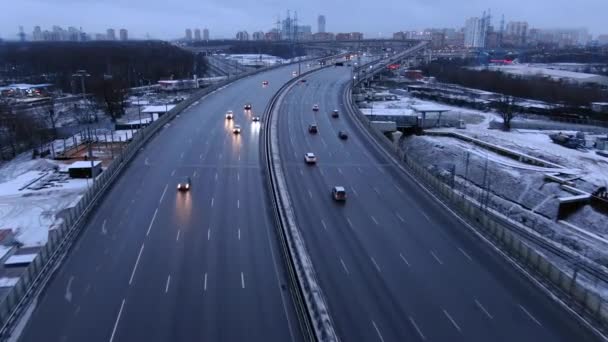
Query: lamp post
pixel 82 74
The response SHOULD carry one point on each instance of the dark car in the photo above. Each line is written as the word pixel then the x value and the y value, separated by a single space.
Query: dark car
pixel 247 106
pixel 313 129
pixel 185 186
pixel 342 135
pixel 335 113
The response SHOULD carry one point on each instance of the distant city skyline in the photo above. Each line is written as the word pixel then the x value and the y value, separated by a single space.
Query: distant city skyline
pixel 158 20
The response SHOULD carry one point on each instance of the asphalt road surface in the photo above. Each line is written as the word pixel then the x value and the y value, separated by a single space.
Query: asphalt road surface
pixel 155 264
pixel 393 265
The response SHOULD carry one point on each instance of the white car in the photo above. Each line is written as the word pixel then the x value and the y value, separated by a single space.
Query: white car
pixel 315 108
pixel 236 129
pixel 229 115
pixel 310 158
pixel 294 73
pixel 338 193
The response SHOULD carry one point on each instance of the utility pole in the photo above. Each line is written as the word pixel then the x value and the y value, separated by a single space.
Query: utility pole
pixel 82 74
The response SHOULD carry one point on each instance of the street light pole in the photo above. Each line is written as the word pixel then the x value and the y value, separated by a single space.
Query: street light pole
pixel 82 74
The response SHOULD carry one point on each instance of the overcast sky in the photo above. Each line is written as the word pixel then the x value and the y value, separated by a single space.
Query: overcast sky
pixel 168 19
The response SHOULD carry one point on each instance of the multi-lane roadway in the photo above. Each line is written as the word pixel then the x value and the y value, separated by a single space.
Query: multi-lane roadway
pixel 393 264
pixel 155 264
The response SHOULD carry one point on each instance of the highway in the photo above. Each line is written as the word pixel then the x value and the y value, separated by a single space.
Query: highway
pixel 157 265
pixel 393 264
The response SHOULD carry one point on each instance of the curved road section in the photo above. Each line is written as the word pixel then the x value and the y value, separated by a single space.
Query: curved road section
pixel 393 265
pixel 157 264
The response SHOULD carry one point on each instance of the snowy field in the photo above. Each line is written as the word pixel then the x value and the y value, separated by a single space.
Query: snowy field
pixel 256 59
pixel 32 195
pixel 544 70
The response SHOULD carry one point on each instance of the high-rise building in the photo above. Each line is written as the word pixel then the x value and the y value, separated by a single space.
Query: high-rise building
pixel 272 35
pixel 37 34
pixel 73 34
pixel 110 34
pixel 516 33
pixel 258 35
pixel 189 35
pixel 321 24
pixel 475 31
pixel 124 34
pixel 197 35
pixel 206 34
pixel 242 35
pixel 602 39
pixel 100 36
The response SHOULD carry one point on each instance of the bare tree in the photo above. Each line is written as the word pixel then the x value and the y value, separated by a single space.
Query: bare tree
pixel 506 108
pixel 111 94
pixel 49 114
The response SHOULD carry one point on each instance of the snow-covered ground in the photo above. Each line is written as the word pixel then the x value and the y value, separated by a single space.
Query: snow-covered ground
pixel 544 70
pixel 256 59
pixel 32 194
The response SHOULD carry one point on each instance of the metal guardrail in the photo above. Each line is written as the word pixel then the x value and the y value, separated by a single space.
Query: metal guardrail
pixel 507 237
pixel 40 270
pixel 310 303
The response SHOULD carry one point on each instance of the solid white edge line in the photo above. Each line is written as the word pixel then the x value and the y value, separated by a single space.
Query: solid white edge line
pixel 205 283
pixel 242 280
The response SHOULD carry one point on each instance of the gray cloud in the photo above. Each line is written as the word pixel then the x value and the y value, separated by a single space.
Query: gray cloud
pixel 168 19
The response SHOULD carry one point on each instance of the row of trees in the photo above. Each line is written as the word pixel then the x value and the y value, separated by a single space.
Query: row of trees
pixel 534 87
pixel 134 63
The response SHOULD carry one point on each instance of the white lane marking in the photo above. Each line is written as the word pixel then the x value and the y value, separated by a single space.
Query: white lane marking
pixel 483 309
pixel 194 174
pixel 324 225
pixel 152 222
pixel 182 155
pixel 163 195
pixel 417 329
pixel 399 189
pixel 378 331
pixel 400 218
pixel 205 282
pixel 465 254
pixel 344 266
pixel 360 170
pixel 68 290
pixel 201 156
pixel 117 320
pixel 136 263
pixel 375 221
pixel 242 280
pixel 447 314
pixel 301 172
pixel 349 223
pixel 173 173
pixel 220 156
pixel 436 258
pixel 238 203
pixel 324 143
pixel 239 233
pixel 530 315
pixel 208 234
pixel 309 194
pixel 376 264
pixel 340 171
pixel 426 216
pixel 212 199
pixel 380 169
pixel 104 231
pixel 216 176
pixel 168 283
pixel 177 237
pixel 377 191
pixel 238 177
pixel 239 157
pixel 404 259
pixel 354 191
pixel 322 172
